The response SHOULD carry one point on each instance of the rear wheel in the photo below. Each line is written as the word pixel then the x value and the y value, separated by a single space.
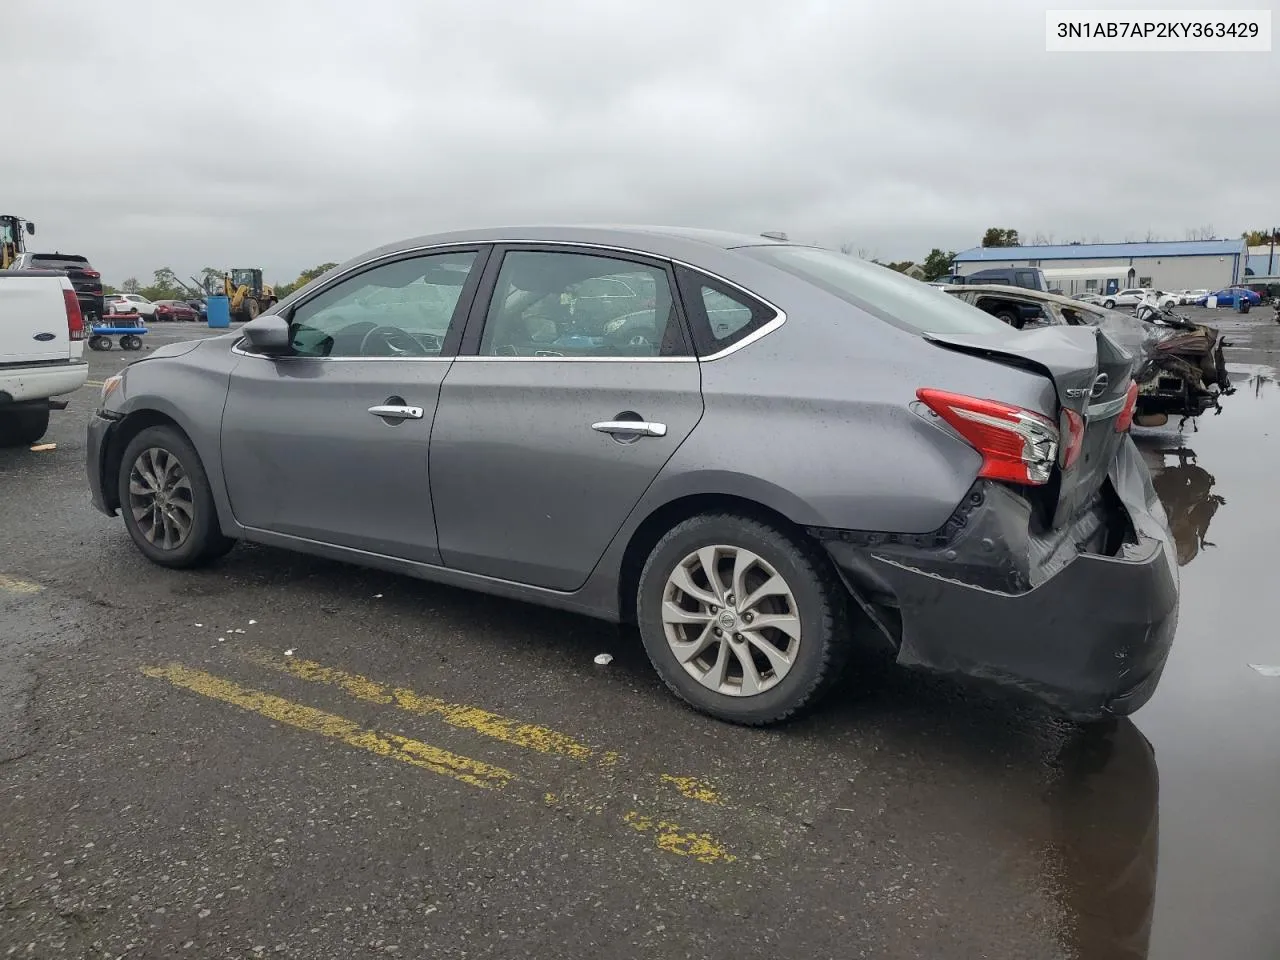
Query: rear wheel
pixel 742 620
pixel 23 426
pixel 167 501
pixel 251 308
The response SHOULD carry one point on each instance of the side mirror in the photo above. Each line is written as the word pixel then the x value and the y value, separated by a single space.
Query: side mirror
pixel 31 228
pixel 268 335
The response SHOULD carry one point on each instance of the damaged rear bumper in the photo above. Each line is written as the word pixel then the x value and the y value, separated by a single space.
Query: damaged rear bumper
pixel 1080 619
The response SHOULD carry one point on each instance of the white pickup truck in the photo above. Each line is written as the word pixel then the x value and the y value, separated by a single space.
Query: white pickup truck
pixel 42 333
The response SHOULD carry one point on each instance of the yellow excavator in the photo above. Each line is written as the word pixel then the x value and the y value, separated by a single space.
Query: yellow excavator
pixel 12 230
pixel 249 296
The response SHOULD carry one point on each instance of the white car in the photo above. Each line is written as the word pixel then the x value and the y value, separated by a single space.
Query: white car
pixel 1193 296
pixel 123 302
pixel 1129 297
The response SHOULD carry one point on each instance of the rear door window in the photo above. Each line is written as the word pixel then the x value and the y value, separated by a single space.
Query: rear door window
pixel 886 294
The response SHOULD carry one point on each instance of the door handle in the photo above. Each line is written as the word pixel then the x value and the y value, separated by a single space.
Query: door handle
pixel 397 411
pixel 631 428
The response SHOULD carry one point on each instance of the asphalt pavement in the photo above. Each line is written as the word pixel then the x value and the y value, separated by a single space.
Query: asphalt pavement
pixel 284 756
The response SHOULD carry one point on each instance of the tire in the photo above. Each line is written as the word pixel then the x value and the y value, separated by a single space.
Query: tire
pixel 204 540
pixel 1012 319
pixel 98 342
pixel 1109 304
pixel 23 427
pixel 251 308
pixel 816 597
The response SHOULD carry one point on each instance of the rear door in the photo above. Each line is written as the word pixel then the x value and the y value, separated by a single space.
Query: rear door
pixel 33 319
pixel 561 411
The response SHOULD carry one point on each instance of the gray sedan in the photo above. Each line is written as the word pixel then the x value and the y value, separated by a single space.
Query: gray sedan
pixel 759 452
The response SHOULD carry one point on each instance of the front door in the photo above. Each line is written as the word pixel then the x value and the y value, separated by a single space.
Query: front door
pixel 580 386
pixel 331 443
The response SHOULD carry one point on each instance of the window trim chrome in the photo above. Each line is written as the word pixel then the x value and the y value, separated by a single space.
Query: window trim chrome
pixel 780 316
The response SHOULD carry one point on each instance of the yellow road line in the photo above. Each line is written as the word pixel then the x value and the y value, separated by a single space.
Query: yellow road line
pixel 414 752
pixel 692 788
pixel 527 735
pixel 671 838
pixel 13 585
pixel 667 836
pixel 484 722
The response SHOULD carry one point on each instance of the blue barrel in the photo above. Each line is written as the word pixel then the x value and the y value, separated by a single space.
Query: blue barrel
pixel 219 311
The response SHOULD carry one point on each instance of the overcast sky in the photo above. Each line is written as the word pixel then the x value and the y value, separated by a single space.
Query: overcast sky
pixel 284 133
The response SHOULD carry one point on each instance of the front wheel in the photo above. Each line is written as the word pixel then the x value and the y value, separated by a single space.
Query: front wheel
pixel 742 620
pixel 167 501
pixel 1109 304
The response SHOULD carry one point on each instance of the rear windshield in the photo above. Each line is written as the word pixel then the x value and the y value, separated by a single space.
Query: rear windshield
pixel 59 262
pixel 893 297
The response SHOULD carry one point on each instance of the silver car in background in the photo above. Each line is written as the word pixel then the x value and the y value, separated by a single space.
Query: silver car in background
pixel 759 452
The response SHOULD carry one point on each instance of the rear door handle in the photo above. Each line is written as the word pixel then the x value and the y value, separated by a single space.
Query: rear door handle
pixel 631 428
pixel 397 411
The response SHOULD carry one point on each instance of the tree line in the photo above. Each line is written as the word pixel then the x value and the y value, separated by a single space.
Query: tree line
pixel 167 285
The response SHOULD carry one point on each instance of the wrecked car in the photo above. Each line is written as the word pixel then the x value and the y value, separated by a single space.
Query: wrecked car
pixel 768 454
pixel 1183 372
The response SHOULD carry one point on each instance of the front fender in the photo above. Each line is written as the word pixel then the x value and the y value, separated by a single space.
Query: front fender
pixel 188 386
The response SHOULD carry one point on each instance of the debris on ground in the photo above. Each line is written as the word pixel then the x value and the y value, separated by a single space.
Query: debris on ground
pixel 289 652
pixel 604 659
pixel 42 447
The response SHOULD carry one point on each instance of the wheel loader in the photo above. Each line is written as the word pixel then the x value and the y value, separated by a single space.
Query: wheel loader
pixel 11 236
pixel 249 296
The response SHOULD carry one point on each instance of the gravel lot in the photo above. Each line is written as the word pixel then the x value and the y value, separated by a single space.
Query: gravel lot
pixel 282 756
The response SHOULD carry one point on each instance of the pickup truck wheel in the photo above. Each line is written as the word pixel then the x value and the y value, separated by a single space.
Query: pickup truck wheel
pixel 743 621
pixel 167 501
pixel 24 426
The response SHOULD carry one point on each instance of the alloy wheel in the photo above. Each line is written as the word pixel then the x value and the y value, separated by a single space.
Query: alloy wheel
pixel 731 620
pixel 161 499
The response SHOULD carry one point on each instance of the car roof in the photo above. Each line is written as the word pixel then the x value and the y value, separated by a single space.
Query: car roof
pixel 670 242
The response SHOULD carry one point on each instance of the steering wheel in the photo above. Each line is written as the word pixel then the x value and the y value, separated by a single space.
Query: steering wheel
pixel 393 342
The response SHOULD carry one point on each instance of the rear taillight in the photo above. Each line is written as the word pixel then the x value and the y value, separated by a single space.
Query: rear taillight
pixel 91 273
pixel 1073 430
pixel 1125 420
pixel 1017 445
pixel 75 319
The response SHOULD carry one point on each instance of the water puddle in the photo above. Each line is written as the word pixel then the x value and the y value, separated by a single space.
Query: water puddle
pixel 1214 719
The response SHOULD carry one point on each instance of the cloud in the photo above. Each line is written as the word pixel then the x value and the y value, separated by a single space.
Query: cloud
pixel 284 134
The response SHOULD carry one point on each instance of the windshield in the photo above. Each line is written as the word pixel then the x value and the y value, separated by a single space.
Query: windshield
pixel 887 294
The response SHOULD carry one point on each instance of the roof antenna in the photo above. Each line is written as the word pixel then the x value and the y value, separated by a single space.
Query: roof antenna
pixel 774 235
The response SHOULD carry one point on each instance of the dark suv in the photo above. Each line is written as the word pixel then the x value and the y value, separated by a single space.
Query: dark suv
pixel 86 280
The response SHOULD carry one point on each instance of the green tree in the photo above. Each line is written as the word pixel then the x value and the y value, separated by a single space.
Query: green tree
pixel 211 279
pixel 131 286
pixel 1257 238
pixel 1000 237
pixel 305 277
pixel 937 263
pixel 164 286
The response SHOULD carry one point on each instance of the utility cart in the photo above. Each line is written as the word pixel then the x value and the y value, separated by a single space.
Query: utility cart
pixel 129 329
